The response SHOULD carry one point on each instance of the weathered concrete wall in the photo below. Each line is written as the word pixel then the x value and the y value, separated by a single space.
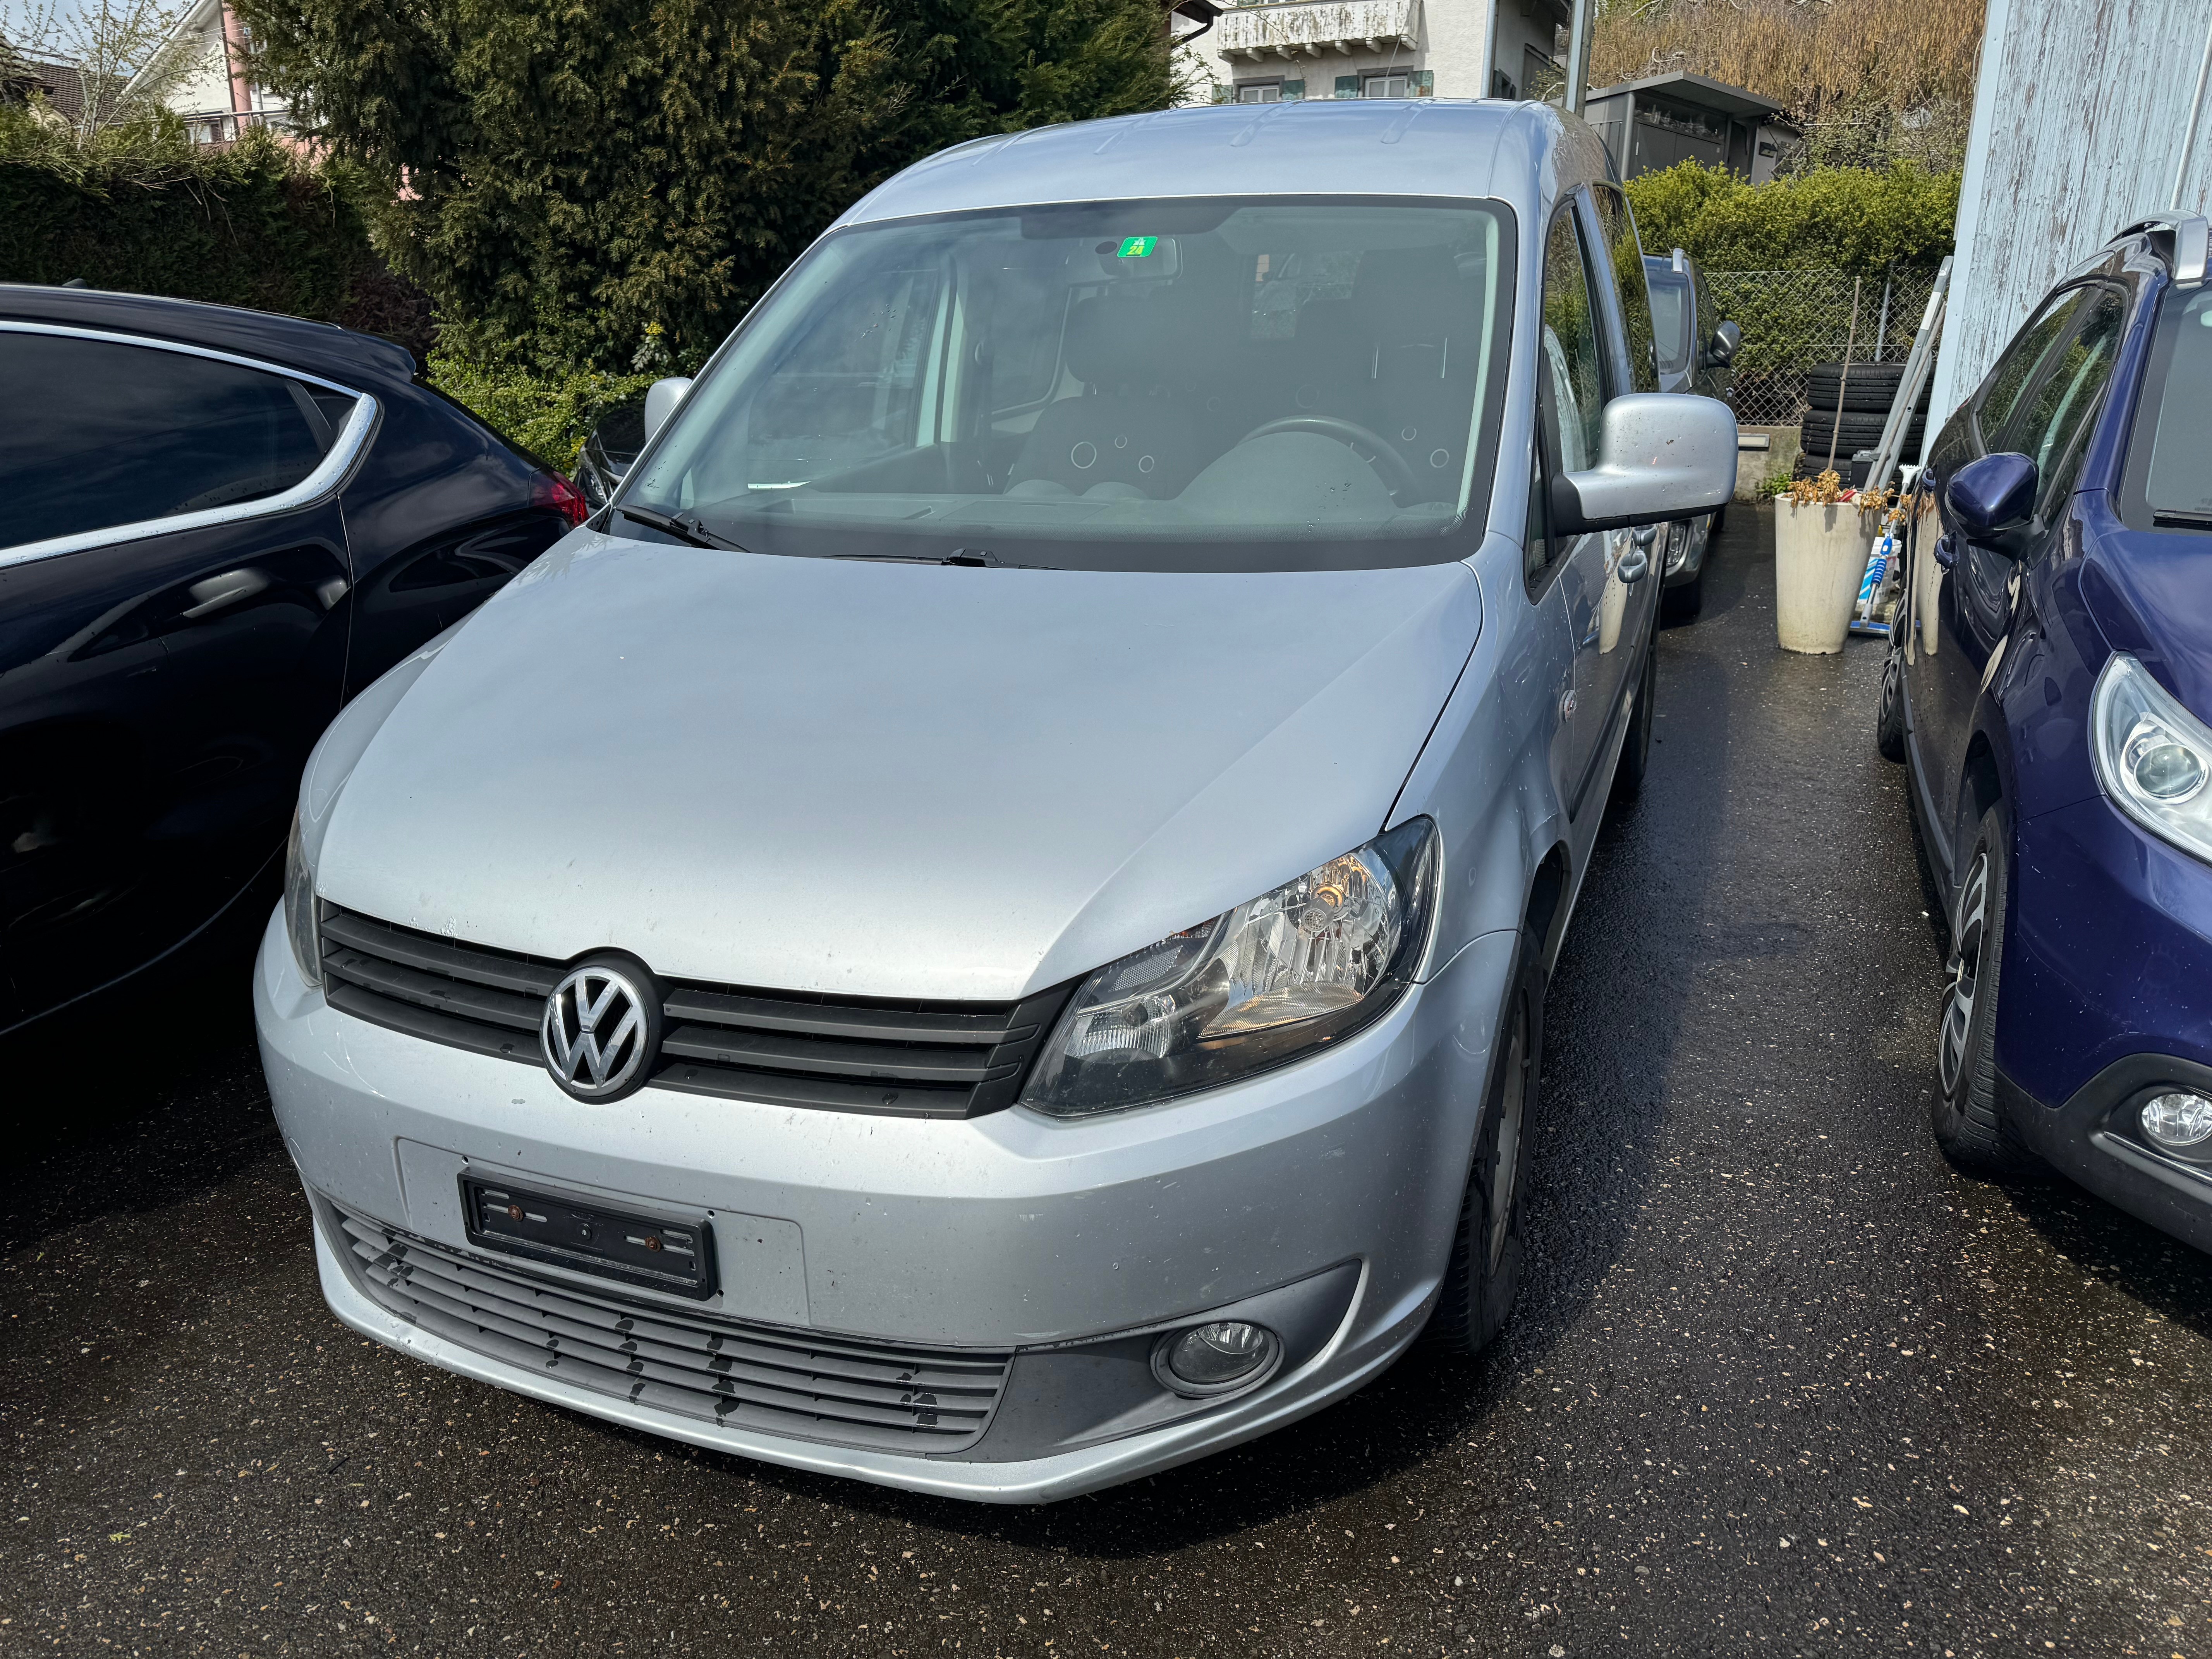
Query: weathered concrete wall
pixel 2079 119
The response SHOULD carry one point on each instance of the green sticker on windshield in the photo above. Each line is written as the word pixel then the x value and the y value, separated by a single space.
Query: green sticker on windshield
pixel 1137 247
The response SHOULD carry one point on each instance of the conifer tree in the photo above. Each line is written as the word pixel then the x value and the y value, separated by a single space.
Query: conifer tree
pixel 564 178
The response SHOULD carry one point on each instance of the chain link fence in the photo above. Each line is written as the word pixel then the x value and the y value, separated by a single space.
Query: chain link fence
pixel 1794 320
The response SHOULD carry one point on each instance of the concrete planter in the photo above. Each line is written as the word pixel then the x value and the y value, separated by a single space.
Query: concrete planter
pixel 1819 558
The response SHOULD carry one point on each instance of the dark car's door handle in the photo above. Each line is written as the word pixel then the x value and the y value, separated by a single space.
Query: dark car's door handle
pixel 1947 551
pixel 212 594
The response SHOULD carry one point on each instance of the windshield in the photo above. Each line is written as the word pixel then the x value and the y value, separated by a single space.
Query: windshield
pixel 1670 315
pixel 2178 482
pixel 1222 384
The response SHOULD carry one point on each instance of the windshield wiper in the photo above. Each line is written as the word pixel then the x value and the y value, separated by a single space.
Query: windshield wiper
pixel 685 528
pixel 2180 518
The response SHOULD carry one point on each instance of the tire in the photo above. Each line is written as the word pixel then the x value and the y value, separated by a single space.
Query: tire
pixel 1635 750
pixel 1967 1118
pixel 1484 1276
pixel 1855 432
pixel 1889 712
pixel 1872 387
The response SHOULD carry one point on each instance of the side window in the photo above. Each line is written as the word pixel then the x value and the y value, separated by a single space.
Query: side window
pixel 2065 392
pixel 1572 352
pixel 1627 257
pixel 2002 392
pixel 1570 381
pixel 124 433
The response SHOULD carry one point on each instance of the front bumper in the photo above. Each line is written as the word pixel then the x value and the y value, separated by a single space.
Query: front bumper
pixel 1336 1181
pixel 2102 999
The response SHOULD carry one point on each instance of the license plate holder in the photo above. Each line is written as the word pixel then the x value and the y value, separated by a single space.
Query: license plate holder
pixel 676 1257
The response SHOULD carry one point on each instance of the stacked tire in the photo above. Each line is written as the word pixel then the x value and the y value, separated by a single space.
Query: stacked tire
pixel 1851 411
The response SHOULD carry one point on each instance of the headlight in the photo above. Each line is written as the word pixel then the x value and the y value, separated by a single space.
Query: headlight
pixel 300 918
pixel 1270 980
pixel 2153 756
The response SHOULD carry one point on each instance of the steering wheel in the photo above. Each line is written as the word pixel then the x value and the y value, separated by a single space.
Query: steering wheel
pixel 1390 466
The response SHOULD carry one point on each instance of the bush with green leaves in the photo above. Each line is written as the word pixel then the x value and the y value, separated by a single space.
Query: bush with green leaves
pixel 563 178
pixel 548 414
pixel 1845 219
pixel 143 210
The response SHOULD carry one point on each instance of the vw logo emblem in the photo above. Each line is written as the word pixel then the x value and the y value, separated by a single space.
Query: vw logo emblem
pixel 601 1027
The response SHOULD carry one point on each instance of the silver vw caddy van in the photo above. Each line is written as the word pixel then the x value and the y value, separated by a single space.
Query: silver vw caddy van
pixel 982 926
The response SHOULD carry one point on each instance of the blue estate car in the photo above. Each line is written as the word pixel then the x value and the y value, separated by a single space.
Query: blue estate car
pixel 2049 688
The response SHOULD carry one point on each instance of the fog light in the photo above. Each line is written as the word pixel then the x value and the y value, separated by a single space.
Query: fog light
pixel 2178 1120
pixel 1213 1359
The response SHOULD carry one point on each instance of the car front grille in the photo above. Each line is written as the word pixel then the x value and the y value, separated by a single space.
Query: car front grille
pixel 907 1059
pixel 794 1384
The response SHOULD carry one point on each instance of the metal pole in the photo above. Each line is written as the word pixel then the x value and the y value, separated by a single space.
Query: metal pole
pixel 1578 45
pixel 1487 87
pixel 2196 113
pixel 1843 381
pixel 1881 329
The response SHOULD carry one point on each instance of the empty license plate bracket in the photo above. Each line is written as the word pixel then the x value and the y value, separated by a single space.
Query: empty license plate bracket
pixel 677 1257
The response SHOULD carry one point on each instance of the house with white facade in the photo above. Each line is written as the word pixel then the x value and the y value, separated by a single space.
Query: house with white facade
pixel 201 73
pixel 1264 51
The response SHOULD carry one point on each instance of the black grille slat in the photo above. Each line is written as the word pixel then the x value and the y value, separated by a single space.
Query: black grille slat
pixel 458 997
pixel 508 971
pixel 894 1057
pixel 856 1393
pixel 773 1051
pixel 890 1023
pixel 501 1041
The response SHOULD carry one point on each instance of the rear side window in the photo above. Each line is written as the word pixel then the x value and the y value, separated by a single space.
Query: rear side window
pixel 1626 259
pixel 114 434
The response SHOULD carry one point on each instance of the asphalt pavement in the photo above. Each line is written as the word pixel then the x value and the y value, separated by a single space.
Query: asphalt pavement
pixel 1781 1381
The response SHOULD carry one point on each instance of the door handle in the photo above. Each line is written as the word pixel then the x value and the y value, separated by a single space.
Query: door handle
pixel 213 593
pixel 1947 551
pixel 1636 563
pixel 1644 535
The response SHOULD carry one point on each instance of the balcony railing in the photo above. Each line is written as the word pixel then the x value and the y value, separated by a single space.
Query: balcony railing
pixel 1310 27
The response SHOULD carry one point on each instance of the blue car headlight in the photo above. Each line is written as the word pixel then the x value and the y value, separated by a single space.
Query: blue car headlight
pixel 1258 986
pixel 2153 756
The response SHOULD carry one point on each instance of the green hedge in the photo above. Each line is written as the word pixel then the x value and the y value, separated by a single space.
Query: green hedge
pixel 550 415
pixel 1849 219
pixel 248 224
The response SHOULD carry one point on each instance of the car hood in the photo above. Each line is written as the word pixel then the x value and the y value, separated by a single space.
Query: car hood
pixel 878 779
pixel 2147 590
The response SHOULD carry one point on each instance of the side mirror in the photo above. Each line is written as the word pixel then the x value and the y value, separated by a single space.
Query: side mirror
pixel 1990 498
pixel 1663 456
pixel 660 400
pixel 1727 341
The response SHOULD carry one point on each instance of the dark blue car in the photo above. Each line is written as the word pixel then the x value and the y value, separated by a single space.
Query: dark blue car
pixel 2050 689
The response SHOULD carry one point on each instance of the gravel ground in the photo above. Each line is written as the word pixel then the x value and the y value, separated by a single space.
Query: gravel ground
pixel 1780 1381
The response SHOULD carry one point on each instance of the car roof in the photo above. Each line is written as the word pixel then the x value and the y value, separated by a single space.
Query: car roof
pixel 337 353
pixel 1520 154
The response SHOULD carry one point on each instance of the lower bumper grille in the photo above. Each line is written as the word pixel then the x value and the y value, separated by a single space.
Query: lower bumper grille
pixel 784 1382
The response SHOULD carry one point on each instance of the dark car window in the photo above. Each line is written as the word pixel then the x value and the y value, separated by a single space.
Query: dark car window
pixel 1627 257
pixel 116 433
pixel 2014 371
pixel 2064 390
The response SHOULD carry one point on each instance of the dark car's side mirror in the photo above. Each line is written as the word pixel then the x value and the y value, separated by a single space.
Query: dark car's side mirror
pixel 1992 498
pixel 1721 349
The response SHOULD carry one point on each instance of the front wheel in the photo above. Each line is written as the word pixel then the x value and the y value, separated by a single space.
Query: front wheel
pixel 1485 1274
pixel 1967 1118
pixel 1889 712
